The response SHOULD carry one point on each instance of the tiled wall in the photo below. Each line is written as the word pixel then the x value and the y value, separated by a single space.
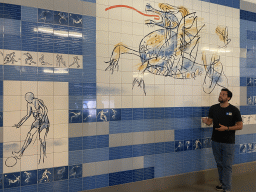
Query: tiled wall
pixel 115 100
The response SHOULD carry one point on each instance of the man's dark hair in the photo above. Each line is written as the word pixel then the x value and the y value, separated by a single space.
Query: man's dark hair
pixel 229 93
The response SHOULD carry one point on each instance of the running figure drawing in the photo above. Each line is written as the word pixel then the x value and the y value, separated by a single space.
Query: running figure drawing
pixel 40 128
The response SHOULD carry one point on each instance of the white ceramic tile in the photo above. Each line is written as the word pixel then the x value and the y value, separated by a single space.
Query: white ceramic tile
pixel 45 88
pixel 159 90
pixel 89 129
pixel 75 61
pixel 89 169
pixel 102 24
pixel 29 163
pixel 115 78
pixel 60 117
pixel 214 8
pixel 60 130
pixel 11 161
pixel 127 101
pixel 11 103
pixel 100 11
pixel 45 59
pixel 115 140
pixel 12 57
pixel 149 101
pixel 12 88
pixel 102 102
pixel 169 101
pixel 178 101
pixel 29 58
pixel 138 138
pixel 115 89
pixel 168 135
pixel 103 50
pixel 102 128
pixel 159 101
pixel 115 102
pixel 9 147
pixel 126 139
pixel 126 89
pixel 138 101
pixel 127 164
pixel 127 77
pixel 138 162
pixel 29 86
pixel 149 137
pixel 101 168
pixel 159 136
pixel 115 165
pixel 11 118
pixel 60 88
pixel 60 145
pixel 48 161
pixel 61 102
pixel 60 159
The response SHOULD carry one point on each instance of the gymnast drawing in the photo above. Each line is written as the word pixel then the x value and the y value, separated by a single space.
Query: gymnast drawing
pixel 40 128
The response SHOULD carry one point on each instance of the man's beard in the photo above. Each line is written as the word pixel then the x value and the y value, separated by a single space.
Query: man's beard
pixel 220 100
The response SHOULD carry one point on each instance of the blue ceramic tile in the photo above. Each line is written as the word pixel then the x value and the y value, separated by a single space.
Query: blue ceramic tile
pixel 89 36
pixel 102 154
pixel 31 188
pixel 12 11
pixel 115 153
pixel 149 125
pixel 179 134
pixel 159 113
pixel 75 20
pixel 102 141
pixel 16 189
pixel 126 114
pixel 250 148
pixel 1 150
pixel 1 179
pixel 12 180
pixel 179 146
pixel 61 46
pixel 12 27
pixel 89 89
pixel 115 179
pixel 126 126
pixel 28 73
pixel 75 184
pixel 89 115
pixel 138 175
pixel 149 173
pixel 243 148
pixel 12 42
pixel 89 142
pixel 207 143
pixel 149 149
pixel 45 16
pixel 45 74
pixel 138 114
pixel 60 186
pixel 89 183
pixel 75 143
pixel 75 102
pixel 89 103
pixel 29 44
pixel 197 144
pixel 169 146
pixel 102 181
pixel 75 116
pixel 61 74
pixel 45 187
pixel 236 4
pixel 11 72
pixel 149 113
pixel 250 81
pixel 2 10
pixel 149 161
pixel 60 18
pixel 138 125
pixel 28 177
pixel 159 124
pixel 75 89
pixel 126 176
pixel 29 14
pixel 159 148
pixel 75 157
pixel 102 115
pixel 75 75
pixel 75 171
pixel 115 114
pixel 60 173
pixel 45 175
pixel 45 44
pixel 137 150
pixel 126 151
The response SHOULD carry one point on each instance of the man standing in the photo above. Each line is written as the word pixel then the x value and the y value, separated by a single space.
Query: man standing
pixel 226 119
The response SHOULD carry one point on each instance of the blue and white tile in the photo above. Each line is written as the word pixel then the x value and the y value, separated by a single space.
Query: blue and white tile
pixel 61 60
pixel 89 115
pixel 48 160
pixel 45 175
pixel 249 147
pixel 60 159
pixel 179 146
pixel 12 57
pixel 243 148
pixel 45 16
pixel 75 171
pixel 60 145
pixel 188 145
pixel 12 180
pixel 61 117
pixel 60 173
pixel 60 131
pixel 103 115
pixel 28 177
pixel 29 58
pixel 60 18
pixel 197 144
pixel 115 102
pixel 75 20
pixel 45 59
pixel 75 61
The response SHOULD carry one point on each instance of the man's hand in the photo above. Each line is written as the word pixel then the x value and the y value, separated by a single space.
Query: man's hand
pixel 205 119
pixel 222 128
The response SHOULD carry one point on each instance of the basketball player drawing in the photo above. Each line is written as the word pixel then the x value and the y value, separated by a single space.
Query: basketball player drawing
pixel 40 127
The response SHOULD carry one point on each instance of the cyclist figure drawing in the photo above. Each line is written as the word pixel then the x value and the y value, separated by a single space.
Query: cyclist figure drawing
pixel 39 127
